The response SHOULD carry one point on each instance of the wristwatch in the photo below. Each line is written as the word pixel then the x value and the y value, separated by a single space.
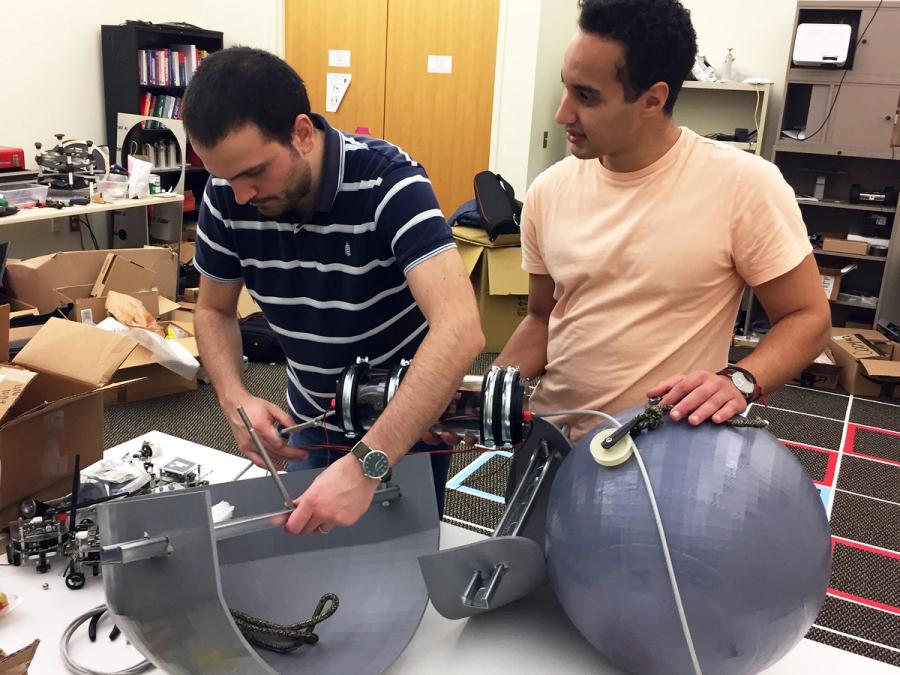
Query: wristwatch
pixel 744 381
pixel 375 463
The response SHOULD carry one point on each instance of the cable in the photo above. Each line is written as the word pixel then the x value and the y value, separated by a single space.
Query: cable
pixel 78 669
pixel 91 232
pixel 685 629
pixel 846 70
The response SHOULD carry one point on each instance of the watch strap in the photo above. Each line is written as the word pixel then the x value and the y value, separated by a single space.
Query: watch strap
pixel 757 390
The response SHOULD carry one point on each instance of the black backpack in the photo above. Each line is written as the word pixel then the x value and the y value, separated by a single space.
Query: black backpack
pixel 259 341
pixel 497 204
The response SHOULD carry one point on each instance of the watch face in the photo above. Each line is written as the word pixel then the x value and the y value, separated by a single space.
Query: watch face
pixel 740 380
pixel 376 464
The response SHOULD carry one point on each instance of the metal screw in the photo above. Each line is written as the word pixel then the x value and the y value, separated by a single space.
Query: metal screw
pixel 46 586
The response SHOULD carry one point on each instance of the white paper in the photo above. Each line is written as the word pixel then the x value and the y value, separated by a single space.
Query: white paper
pixel 827 284
pixel 442 65
pixel 138 177
pixel 169 354
pixel 338 58
pixel 335 87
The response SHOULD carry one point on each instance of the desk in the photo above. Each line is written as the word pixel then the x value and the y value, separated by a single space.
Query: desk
pixel 28 242
pixel 532 636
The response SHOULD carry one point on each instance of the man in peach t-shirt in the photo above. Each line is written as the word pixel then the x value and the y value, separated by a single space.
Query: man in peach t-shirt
pixel 638 246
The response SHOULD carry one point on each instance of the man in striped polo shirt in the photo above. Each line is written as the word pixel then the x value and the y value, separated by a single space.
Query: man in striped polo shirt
pixel 340 240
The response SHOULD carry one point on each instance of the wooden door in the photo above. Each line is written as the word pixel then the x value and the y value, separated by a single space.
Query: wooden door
pixel 312 28
pixel 442 120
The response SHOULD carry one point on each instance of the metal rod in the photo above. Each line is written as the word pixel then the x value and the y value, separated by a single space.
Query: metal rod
pixel 285 432
pixel 288 502
pixel 249 524
pixel 158 547
pixel 621 432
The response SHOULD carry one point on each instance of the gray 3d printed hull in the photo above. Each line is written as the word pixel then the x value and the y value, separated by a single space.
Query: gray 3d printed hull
pixel 175 607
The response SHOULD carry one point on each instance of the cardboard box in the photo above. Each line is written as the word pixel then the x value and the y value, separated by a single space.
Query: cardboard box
pixel 839 245
pixel 501 285
pixel 823 373
pixel 123 276
pixel 87 309
pixel 52 409
pixel 17 308
pixel 246 305
pixel 147 379
pixel 870 362
pixel 35 281
pixel 4 332
pixel 186 252
pixel 831 282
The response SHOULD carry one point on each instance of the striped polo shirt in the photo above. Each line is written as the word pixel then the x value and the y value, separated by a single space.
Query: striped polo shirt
pixel 332 286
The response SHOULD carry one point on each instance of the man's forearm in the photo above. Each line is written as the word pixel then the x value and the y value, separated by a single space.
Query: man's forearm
pixel 790 345
pixel 440 364
pixel 219 341
pixel 527 347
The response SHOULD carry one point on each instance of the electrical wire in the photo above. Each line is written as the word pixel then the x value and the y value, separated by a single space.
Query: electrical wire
pixel 685 628
pixel 846 70
pixel 77 668
pixel 84 222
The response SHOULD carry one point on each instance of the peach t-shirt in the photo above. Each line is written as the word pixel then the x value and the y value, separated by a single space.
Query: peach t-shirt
pixel 649 266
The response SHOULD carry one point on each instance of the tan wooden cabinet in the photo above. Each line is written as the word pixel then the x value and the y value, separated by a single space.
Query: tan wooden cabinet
pixel 422 77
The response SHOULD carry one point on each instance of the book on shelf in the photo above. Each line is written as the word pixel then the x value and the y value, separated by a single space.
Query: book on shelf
pixel 172 67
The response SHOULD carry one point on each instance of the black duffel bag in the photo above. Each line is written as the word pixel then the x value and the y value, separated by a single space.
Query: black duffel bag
pixel 497 204
pixel 259 341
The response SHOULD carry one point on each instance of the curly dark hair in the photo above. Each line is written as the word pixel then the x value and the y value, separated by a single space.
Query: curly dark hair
pixel 240 85
pixel 657 38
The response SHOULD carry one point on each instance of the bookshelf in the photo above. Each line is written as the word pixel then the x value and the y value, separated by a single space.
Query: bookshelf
pixel 146 68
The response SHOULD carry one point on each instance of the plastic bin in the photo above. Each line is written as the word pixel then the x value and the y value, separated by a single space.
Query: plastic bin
pixel 113 186
pixel 22 193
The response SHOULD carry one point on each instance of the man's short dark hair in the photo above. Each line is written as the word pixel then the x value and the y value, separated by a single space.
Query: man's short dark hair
pixel 657 38
pixel 240 85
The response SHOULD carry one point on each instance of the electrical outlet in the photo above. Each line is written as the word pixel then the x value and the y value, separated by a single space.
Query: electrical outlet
pixel 74 225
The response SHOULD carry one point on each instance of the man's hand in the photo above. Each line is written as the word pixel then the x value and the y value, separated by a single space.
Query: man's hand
pixel 338 497
pixel 450 438
pixel 263 415
pixel 699 396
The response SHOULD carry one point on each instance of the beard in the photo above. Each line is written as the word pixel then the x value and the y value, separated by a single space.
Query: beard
pixel 297 187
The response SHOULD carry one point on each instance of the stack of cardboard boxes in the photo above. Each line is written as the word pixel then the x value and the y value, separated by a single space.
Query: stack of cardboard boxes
pixel 53 392
pixel 501 285
pixel 869 362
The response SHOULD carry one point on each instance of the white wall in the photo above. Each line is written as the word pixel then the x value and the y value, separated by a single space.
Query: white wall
pixel 52 65
pixel 760 33
pixel 514 88
pixel 533 36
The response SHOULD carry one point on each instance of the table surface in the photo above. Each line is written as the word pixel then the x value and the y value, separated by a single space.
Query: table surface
pixel 529 636
pixel 28 215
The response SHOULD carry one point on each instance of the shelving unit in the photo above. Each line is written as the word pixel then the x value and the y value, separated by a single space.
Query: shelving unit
pixel 721 107
pixel 848 119
pixel 123 89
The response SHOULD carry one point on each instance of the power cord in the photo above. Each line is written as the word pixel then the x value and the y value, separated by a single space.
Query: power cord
pixel 77 668
pixel 846 70
pixel 84 222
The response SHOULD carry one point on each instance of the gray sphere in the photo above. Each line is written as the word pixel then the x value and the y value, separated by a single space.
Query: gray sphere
pixel 747 533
